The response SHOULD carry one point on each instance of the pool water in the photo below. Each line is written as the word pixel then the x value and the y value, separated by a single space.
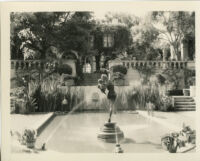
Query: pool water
pixel 77 133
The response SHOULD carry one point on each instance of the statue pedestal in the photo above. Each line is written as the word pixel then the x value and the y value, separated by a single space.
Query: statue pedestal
pixel 109 133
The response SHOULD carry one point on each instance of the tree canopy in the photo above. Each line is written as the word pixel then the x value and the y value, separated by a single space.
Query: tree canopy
pixel 174 27
pixel 32 34
pixel 37 34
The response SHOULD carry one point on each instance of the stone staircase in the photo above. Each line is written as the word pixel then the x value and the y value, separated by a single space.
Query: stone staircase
pixel 184 103
pixel 90 79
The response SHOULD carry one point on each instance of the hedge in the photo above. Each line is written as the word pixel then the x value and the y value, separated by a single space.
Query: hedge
pixel 119 68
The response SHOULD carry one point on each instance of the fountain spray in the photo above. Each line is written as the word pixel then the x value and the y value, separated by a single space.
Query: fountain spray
pixel 118 149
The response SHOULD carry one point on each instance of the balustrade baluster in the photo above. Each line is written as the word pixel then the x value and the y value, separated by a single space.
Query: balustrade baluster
pixel 127 64
pixel 132 64
pixel 29 65
pixel 19 66
pixel 39 65
pixel 12 65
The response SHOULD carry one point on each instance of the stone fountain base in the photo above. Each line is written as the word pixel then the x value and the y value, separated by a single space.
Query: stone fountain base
pixel 109 133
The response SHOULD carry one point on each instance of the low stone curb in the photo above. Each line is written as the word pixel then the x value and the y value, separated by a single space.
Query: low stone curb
pixel 42 124
pixel 39 125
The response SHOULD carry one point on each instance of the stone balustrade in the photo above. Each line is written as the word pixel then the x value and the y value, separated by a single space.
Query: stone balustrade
pixel 43 64
pixel 159 64
pixel 29 64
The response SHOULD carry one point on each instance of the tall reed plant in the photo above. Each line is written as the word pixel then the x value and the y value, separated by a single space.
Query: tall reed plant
pixel 50 95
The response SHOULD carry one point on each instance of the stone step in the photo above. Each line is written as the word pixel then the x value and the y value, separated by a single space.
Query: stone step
pixel 182 97
pixel 184 106
pixel 185 103
pixel 88 83
pixel 184 100
pixel 185 109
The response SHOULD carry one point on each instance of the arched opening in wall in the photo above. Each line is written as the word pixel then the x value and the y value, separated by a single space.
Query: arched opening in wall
pixel 87 68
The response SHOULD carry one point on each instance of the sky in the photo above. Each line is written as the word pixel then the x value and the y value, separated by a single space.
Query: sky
pixel 101 14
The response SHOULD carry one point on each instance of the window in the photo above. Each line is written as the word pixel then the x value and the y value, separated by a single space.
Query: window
pixel 108 40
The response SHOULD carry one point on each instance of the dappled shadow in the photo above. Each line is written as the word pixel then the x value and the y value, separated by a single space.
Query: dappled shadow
pixel 157 146
pixel 127 141
pixel 131 141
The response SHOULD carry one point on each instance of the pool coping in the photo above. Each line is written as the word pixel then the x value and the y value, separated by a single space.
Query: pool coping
pixel 186 149
pixel 43 123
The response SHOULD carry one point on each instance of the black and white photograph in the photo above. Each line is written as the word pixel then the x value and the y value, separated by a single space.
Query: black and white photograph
pixel 102 81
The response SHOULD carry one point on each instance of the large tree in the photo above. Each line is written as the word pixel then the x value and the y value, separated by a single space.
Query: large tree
pixel 144 37
pixel 139 38
pixel 33 33
pixel 174 27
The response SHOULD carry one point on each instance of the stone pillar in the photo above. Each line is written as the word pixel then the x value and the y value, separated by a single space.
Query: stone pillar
pixel 172 52
pixel 102 61
pixel 184 50
pixel 164 54
pixel 93 64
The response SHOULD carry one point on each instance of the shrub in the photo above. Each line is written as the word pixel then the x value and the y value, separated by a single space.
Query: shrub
pixel 166 103
pixel 23 99
pixel 119 68
pixel 173 77
pixel 189 76
pixel 175 92
pixel 117 76
pixel 161 79
pixel 191 81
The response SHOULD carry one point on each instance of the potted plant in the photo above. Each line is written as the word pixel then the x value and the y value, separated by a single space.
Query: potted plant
pixel 172 141
pixel 166 103
pixel 186 92
pixel 29 138
pixel 191 82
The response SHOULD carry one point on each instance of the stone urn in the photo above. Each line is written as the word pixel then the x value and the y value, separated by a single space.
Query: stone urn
pixel 186 92
pixel 192 91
